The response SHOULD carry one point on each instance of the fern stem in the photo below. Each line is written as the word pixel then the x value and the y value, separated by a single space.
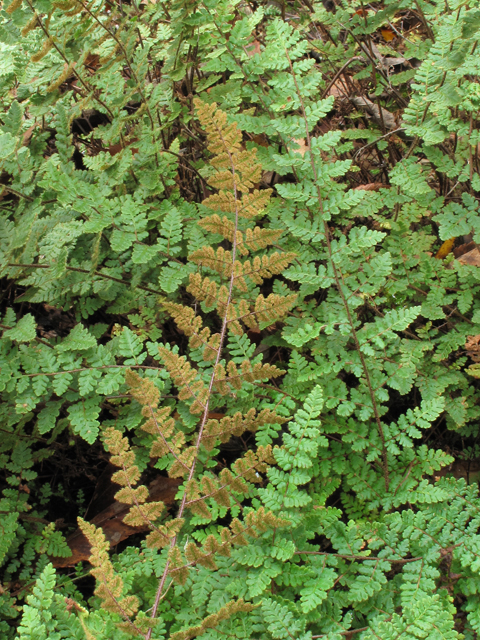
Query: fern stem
pixel 339 73
pixel 356 557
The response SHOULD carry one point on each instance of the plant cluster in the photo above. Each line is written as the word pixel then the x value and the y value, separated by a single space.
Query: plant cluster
pixel 238 250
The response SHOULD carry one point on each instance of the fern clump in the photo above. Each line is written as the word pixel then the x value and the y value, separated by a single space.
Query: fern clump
pixel 239 253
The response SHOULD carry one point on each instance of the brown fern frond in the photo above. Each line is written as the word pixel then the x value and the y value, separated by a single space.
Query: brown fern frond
pixel 219 260
pixel 265 454
pixel 234 483
pixel 249 206
pixel 219 378
pixel 266 266
pixel 129 495
pixel 238 531
pixel 247 171
pixel 195 555
pixel 123 457
pixel 227 427
pixel 224 201
pixel 237 168
pixel 161 537
pixel 250 169
pixel 248 373
pixel 177 568
pixel 273 308
pixel 147 514
pixel 249 467
pixel 184 317
pixel 254 203
pixel 191 325
pixel 210 488
pixel 212 545
pixel 263 520
pixel 141 512
pixel 183 463
pixel 225 180
pixel 233 325
pixel 158 421
pixel 221 135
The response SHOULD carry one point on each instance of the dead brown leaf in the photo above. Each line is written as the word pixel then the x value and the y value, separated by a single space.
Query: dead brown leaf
pixel 302 144
pixel 253 48
pixel 372 186
pixel 464 248
pixel 388 34
pixel 27 136
pixel 472 347
pixel 471 258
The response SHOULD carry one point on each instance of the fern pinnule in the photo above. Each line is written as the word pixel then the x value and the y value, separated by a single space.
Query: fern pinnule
pixel 42 52
pixel 176 567
pixel 257 238
pixel 161 537
pixel 224 227
pixel 13 6
pixel 194 555
pixel 218 260
pixel 266 310
pixel 222 430
pixel 247 373
pixel 221 135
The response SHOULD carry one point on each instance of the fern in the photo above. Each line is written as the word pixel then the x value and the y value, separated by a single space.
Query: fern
pixel 221 243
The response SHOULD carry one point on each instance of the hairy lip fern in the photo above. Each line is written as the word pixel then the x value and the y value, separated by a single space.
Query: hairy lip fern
pixel 236 171
pixel 224 267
